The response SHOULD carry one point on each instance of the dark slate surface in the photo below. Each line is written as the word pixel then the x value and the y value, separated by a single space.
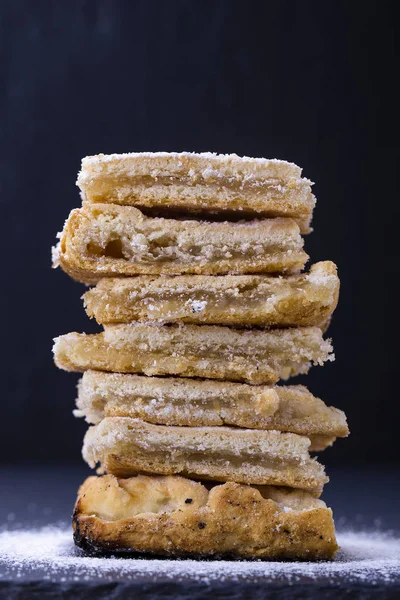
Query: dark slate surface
pixel 33 497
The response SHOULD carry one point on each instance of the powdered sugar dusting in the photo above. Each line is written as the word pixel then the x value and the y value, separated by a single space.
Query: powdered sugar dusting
pixel 196 305
pixel 55 255
pixel 371 558
pixel 177 155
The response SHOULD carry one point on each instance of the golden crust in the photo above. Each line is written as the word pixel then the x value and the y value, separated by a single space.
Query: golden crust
pixel 125 447
pixel 207 403
pixel 174 516
pixel 106 240
pixel 240 300
pixel 199 183
pixel 209 351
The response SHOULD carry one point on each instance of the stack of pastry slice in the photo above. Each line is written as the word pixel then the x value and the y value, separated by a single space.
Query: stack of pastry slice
pixel 196 261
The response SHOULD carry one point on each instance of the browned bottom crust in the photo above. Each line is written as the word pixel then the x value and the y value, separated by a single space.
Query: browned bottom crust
pixel 174 516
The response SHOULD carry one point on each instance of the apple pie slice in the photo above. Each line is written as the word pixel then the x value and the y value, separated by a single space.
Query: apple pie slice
pixel 125 447
pixel 199 403
pixel 207 351
pixel 107 240
pixel 239 300
pixel 174 516
pixel 202 183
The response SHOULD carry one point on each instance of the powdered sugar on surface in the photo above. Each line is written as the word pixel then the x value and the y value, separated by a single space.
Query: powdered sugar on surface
pixel 49 554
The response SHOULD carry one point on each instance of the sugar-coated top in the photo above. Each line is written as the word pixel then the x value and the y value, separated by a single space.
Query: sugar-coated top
pixel 177 155
pixel 206 164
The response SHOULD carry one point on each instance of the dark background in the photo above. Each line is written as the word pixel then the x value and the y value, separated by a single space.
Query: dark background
pixel 308 81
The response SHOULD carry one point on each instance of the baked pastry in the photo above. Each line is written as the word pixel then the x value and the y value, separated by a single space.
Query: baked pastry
pixel 125 447
pixel 240 300
pixel 204 183
pixel 105 240
pixel 209 351
pixel 174 516
pixel 202 403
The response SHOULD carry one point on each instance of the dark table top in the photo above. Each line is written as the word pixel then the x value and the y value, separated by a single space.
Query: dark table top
pixel 363 500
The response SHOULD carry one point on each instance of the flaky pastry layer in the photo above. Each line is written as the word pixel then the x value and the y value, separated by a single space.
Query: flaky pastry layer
pixel 202 183
pixel 242 300
pixel 105 240
pixel 125 447
pixel 208 351
pixel 199 403
pixel 174 516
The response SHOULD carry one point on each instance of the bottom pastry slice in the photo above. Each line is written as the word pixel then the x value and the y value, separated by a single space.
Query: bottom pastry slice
pixel 174 516
pixel 126 447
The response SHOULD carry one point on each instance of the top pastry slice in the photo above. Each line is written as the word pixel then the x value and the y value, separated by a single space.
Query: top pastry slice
pixel 206 183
